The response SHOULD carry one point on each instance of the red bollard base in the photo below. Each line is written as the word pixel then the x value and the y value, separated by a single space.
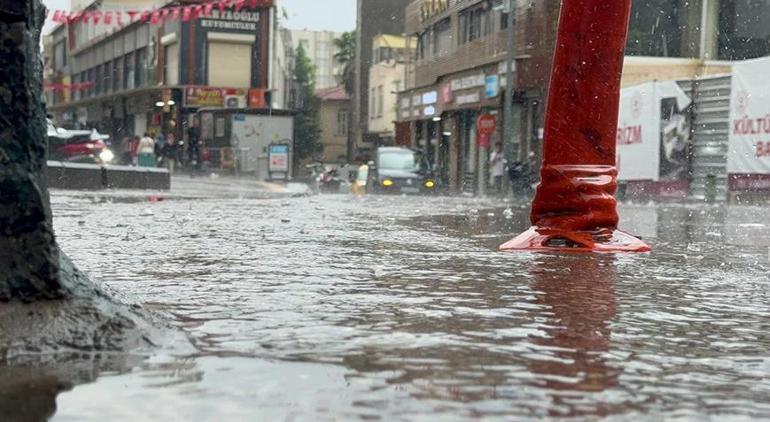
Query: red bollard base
pixel 552 240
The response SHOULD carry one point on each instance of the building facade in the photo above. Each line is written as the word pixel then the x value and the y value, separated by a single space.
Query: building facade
pixel 374 17
pixel 334 116
pixel 387 77
pixel 320 48
pixel 143 77
pixel 457 72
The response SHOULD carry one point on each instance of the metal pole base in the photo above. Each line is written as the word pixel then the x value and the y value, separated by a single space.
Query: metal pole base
pixel 554 240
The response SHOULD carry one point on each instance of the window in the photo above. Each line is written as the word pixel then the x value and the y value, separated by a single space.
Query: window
pixel 372 102
pixel 92 82
pixel 397 86
pixel 342 122
pixel 59 56
pixel 140 70
pixel 171 64
pixel 380 100
pixel 474 23
pixel 129 71
pixel 117 74
pixel 98 80
pixel 107 75
pixel 744 29
pixel 656 29
pixel 305 45
pixel 442 38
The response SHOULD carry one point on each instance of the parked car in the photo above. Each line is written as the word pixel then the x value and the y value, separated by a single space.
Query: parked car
pixel 79 146
pixel 401 171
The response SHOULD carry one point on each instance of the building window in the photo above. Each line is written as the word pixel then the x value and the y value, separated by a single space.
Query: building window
pixel 171 64
pixel 129 71
pixel 107 75
pixel 372 102
pixel 92 81
pixel 442 38
pixel 141 67
pixel 656 29
pixel 98 80
pixel 475 23
pixel 60 56
pixel 744 29
pixel 342 122
pixel 117 74
pixel 380 100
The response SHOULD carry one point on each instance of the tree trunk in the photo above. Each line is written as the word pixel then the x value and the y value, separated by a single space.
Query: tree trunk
pixel 29 257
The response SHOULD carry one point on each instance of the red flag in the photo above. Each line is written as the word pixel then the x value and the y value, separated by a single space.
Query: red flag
pixel 58 17
pixel 108 18
pixel 84 17
pixel 197 11
pixel 207 9
pixel 132 15
pixel 222 5
pixel 97 17
pixel 155 17
pixel 239 5
pixel 145 16
pixel 186 14
pixel 175 13
pixel 119 18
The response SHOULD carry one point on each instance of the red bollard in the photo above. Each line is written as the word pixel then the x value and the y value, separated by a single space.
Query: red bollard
pixel 575 208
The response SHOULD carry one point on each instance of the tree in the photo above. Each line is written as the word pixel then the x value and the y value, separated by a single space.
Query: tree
pixel 346 56
pixel 29 257
pixel 307 131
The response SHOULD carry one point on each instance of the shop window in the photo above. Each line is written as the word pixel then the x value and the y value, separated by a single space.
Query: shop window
pixel 117 74
pixel 107 75
pixel 129 71
pixel 140 68
pixel 656 29
pixel 98 80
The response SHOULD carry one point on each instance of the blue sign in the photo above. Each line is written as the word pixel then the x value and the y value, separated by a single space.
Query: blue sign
pixel 239 117
pixel 492 86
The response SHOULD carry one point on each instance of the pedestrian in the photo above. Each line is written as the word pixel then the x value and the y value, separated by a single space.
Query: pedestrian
pixel 193 145
pixel 126 158
pixel 497 167
pixel 160 142
pixel 147 151
pixel 135 150
pixel 169 153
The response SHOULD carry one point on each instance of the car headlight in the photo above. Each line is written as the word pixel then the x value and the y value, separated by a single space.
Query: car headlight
pixel 430 184
pixel 387 183
pixel 107 156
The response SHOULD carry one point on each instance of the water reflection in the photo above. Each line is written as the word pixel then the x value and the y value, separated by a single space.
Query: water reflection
pixel 579 290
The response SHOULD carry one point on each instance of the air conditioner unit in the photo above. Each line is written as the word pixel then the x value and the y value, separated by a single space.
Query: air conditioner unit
pixel 235 101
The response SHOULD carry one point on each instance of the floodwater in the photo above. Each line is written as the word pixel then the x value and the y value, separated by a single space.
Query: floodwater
pixel 400 308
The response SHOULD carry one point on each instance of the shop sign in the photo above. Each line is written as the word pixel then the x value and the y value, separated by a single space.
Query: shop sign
pixel 229 19
pixel 429 111
pixel 472 81
pixel 430 8
pixel 430 97
pixel 492 87
pixel 468 98
pixel 257 98
pixel 201 96
pixel 749 138
pixel 653 137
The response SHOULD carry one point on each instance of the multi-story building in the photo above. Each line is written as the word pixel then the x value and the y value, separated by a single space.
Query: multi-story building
pixel 374 17
pixel 457 71
pixel 334 119
pixel 320 48
pixel 387 77
pixel 143 77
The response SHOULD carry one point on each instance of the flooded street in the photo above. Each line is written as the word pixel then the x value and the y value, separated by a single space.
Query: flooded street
pixel 400 308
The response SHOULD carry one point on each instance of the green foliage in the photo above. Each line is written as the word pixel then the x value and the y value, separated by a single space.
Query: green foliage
pixel 346 56
pixel 307 130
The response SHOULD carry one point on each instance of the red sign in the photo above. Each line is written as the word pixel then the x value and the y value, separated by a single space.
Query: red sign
pixel 485 127
pixel 446 94
pixel 257 98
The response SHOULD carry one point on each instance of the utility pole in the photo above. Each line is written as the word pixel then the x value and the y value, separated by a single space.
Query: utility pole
pixel 510 126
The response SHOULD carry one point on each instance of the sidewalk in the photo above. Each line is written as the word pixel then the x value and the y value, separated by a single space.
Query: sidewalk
pixel 203 187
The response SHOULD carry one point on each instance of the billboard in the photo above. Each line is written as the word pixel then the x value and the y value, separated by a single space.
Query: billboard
pixel 749 140
pixel 654 133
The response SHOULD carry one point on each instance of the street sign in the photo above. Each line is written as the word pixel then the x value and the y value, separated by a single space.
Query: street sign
pixel 485 127
pixel 278 161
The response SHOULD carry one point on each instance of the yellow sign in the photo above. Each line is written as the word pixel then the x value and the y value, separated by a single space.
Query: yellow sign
pixel 430 8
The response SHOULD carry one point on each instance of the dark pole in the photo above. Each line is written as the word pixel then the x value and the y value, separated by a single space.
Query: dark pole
pixel 29 257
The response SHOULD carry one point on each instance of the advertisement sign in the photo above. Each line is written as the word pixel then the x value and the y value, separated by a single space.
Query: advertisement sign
pixel 257 98
pixel 430 97
pixel 654 133
pixel 749 151
pixel 492 87
pixel 203 96
pixel 278 161
pixel 485 127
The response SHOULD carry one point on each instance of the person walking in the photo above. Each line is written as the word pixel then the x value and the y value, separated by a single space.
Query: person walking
pixel 169 153
pixel 147 151
pixel 497 167
pixel 134 151
pixel 193 146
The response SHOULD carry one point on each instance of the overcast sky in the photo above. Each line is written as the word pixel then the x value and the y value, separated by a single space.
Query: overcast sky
pixel 334 15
